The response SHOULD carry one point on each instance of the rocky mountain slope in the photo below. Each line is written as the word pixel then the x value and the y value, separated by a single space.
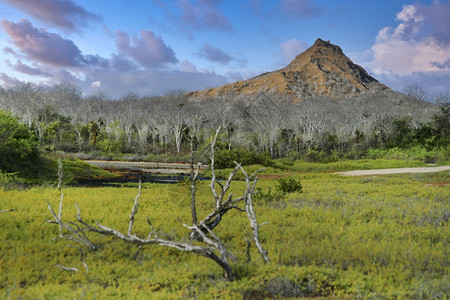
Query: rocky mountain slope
pixel 322 70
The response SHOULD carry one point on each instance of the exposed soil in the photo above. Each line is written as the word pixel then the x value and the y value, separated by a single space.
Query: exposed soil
pixel 438 184
pixel 132 172
pixel 394 171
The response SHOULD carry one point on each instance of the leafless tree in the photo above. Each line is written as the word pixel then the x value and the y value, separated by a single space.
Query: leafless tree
pixel 203 241
pixel 416 92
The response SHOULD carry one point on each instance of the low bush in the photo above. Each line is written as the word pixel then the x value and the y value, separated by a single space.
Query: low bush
pixel 321 156
pixel 381 237
pixel 226 158
pixel 283 187
pixel 11 180
pixel 289 185
pixel 436 155
pixel 17 144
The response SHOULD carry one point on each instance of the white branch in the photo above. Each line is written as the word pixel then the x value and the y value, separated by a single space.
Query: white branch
pixel 76 235
pixel 252 216
pixel 134 210
pixel 213 173
pixel 67 268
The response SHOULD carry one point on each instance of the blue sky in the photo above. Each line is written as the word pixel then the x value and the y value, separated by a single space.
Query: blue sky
pixel 152 46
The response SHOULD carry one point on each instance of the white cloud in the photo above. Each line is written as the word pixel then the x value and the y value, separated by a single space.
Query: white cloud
pixel 64 14
pixel 149 50
pixel 148 82
pixel 408 56
pixel 96 84
pixel 417 50
pixel 412 46
pixel 187 66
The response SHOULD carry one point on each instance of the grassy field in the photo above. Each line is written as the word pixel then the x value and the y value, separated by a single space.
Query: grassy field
pixel 343 237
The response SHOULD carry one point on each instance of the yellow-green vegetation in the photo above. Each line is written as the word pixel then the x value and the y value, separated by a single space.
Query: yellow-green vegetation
pixel 284 166
pixel 45 172
pixel 76 168
pixel 342 237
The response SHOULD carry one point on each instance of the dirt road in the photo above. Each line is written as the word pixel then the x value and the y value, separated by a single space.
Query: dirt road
pixel 394 171
pixel 175 168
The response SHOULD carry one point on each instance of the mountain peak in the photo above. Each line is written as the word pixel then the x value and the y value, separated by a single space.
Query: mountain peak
pixel 322 70
pixel 321 43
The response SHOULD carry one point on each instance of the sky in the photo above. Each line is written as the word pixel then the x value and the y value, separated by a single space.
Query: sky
pixel 152 47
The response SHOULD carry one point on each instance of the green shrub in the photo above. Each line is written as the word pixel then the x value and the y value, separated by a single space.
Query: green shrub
pixel 17 143
pixel 286 162
pixel 436 155
pixel 283 187
pixel 289 185
pixel 10 180
pixel 226 158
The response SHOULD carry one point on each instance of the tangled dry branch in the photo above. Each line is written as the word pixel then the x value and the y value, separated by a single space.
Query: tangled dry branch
pixel 203 241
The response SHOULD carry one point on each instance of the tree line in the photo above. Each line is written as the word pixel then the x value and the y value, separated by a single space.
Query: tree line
pixel 61 118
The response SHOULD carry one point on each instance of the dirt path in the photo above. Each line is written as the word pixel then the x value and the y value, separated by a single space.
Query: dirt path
pixel 179 169
pixel 394 171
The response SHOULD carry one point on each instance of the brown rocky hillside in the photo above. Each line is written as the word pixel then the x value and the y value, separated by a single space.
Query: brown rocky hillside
pixel 322 70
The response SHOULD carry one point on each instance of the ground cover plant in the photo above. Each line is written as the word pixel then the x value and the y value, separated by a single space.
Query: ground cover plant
pixel 378 236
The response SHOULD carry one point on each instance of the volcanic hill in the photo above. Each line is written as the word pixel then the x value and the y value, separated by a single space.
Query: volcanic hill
pixel 322 70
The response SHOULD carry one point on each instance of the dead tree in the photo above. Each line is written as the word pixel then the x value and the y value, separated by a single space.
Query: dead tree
pixel 203 241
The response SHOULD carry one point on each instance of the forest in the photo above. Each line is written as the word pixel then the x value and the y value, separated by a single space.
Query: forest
pixel 262 125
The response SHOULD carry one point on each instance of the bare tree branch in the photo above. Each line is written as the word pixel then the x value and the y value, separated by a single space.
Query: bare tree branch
pixel 252 216
pixel 82 255
pixel 60 174
pixel 67 268
pixel 77 235
pixel 134 210
pixel 202 232
pixel 213 173
pixel 193 179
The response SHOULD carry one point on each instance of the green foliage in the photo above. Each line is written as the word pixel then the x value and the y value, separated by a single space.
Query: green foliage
pixel 226 158
pixel 441 125
pixel 301 166
pixel 94 130
pixel 342 237
pixel 17 143
pixel 402 133
pixel 10 180
pixel 321 156
pixel 289 185
pixel 284 186
pixel 436 155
